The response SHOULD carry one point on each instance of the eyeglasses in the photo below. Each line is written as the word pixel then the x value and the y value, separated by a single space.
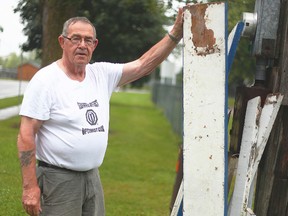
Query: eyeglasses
pixel 77 40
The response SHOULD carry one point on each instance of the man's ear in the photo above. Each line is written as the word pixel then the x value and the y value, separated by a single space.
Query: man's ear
pixel 95 44
pixel 61 41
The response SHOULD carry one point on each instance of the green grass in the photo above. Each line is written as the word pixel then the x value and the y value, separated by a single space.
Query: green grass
pixel 12 101
pixel 138 172
pixel 10 180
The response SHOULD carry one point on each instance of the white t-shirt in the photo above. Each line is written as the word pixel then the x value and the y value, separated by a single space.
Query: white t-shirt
pixel 74 133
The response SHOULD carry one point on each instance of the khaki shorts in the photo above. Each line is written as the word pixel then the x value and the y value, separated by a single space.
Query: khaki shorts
pixel 70 193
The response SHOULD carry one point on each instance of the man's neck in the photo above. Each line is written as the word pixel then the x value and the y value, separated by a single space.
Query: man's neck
pixel 74 72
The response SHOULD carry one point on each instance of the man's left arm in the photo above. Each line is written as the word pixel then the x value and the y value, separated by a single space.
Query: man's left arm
pixel 153 57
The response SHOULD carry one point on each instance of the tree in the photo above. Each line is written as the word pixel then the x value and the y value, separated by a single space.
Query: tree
pixel 13 60
pixel 31 16
pixel 43 21
pixel 128 30
pixel 125 29
pixel 54 14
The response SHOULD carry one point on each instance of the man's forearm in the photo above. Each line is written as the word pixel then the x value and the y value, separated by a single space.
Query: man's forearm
pixel 157 54
pixel 27 157
pixel 26 153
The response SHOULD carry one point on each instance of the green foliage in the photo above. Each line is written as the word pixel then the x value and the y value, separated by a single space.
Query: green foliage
pixel 138 172
pixel 13 60
pixel 125 32
pixel 125 28
pixel 31 13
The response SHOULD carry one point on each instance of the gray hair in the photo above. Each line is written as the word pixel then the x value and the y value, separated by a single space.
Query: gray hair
pixel 74 20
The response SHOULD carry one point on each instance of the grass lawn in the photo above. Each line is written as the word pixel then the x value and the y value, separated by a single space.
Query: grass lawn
pixel 12 101
pixel 139 167
pixel 10 180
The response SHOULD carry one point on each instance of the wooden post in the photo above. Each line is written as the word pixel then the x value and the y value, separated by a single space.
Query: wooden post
pixel 205 110
pixel 272 186
pixel 248 143
pixel 257 129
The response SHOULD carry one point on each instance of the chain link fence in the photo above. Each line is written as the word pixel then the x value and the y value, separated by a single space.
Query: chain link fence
pixel 8 73
pixel 170 99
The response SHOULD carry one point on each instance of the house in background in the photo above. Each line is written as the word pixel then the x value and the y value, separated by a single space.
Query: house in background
pixel 169 69
pixel 27 70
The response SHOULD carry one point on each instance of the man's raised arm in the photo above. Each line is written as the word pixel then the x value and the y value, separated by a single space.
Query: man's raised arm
pixel 156 55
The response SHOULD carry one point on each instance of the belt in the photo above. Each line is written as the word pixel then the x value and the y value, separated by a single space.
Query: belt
pixel 44 164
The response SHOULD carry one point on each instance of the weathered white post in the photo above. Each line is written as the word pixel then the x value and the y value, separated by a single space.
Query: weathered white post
pixel 248 149
pixel 205 109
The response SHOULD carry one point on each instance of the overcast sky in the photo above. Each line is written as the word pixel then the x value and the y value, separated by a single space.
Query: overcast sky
pixel 12 36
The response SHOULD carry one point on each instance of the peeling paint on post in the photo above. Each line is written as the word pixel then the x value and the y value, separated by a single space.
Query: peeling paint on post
pixel 204 109
pixel 247 154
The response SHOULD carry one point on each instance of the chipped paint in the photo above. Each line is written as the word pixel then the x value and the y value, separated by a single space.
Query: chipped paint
pixel 260 122
pixel 247 154
pixel 272 99
pixel 203 38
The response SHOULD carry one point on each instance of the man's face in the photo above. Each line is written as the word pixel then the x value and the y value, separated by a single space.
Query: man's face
pixel 79 44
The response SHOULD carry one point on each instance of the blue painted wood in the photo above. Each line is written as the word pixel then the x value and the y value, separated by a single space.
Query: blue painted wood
pixel 236 35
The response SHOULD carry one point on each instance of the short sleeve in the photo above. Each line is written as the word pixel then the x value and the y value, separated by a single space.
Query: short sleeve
pixel 37 100
pixel 111 72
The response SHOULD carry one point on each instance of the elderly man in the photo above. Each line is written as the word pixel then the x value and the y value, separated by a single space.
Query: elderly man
pixel 65 121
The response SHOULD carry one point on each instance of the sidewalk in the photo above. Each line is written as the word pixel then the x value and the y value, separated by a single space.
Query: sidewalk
pixel 9 112
pixel 11 88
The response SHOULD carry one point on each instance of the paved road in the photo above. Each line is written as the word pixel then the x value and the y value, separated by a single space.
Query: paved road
pixel 10 88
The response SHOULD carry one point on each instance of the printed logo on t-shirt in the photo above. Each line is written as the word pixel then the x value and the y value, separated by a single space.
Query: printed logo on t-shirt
pixel 91 117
